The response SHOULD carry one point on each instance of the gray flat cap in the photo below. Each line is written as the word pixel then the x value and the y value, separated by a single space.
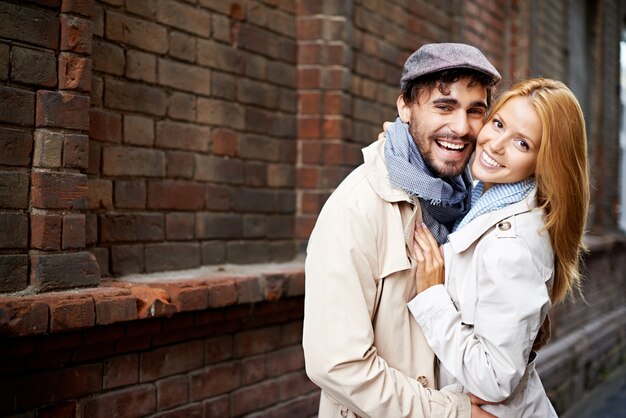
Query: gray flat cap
pixel 432 58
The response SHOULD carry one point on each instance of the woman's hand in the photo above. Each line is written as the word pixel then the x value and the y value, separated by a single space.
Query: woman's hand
pixel 430 269
pixel 385 127
pixel 477 411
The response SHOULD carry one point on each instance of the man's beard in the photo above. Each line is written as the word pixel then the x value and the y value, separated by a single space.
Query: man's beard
pixel 439 168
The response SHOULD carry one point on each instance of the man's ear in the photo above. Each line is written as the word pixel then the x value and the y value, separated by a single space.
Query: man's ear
pixel 404 110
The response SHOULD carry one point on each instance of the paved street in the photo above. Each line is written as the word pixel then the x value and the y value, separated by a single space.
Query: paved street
pixel 606 401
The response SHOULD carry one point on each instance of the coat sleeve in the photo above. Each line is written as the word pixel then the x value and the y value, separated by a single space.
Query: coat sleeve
pixel 338 337
pixel 489 357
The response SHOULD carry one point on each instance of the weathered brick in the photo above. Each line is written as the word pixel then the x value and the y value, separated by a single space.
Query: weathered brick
pixel 130 194
pixel 76 151
pixel 225 142
pixel 219 170
pixel 175 194
pixel 45 231
pixel 146 8
pixel 73 231
pixel 135 97
pixel 62 271
pixel 99 194
pixel 30 66
pixel 13 272
pixel 256 174
pixel 280 226
pixel 217 198
pixel 141 66
pixel 219 56
pixel 171 360
pixel 179 226
pixel 220 112
pixel 281 251
pixel 141 397
pixel 218 225
pixel 185 77
pixel 91 236
pixel 255 200
pixel 224 86
pixel 280 175
pixel 110 310
pixel 258 147
pixel 180 164
pixel 82 7
pixel 19 317
pixel 217 407
pixel 254 226
pixel 121 371
pixel 138 130
pixel 71 314
pixel 135 227
pixel 62 110
pixel 14 190
pixel 129 161
pixel 257 93
pixel 5 58
pixel 76 34
pixel 222 293
pixel 102 256
pixel 213 252
pixel 54 190
pixel 127 259
pixel 222 28
pixel 60 410
pixel 108 57
pixel 172 256
pixel 136 32
pixel 183 136
pixel 182 46
pixel 37 389
pixel 247 252
pixel 48 148
pixel 171 392
pixel 182 106
pixel 95 154
pixel 254 397
pixel 22 109
pixel 214 380
pixel 185 17
pixel 74 72
pixel 97 90
pixel 45 33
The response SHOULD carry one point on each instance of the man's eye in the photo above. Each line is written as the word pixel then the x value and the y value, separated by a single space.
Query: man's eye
pixel 444 107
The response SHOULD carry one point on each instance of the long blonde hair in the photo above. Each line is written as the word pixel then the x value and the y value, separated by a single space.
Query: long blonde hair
pixel 562 175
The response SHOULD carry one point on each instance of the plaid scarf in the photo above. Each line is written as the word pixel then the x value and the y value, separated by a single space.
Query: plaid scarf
pixel 443 200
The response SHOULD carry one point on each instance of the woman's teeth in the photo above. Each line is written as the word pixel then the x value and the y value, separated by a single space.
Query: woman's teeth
pixel 490 161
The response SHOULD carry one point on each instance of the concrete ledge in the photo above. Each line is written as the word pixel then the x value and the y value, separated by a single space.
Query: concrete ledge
pixel 148 296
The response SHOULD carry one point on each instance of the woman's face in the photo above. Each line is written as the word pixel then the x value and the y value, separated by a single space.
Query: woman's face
pixel 508 145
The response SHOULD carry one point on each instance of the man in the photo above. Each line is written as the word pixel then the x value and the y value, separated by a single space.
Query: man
pixel 360 344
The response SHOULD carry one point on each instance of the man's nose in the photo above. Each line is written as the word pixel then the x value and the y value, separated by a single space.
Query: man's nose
pixel 460 124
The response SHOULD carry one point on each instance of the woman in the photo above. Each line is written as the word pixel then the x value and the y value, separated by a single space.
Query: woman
pixel 513 255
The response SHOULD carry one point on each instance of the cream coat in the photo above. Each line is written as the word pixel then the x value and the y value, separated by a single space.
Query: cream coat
pixel 361 345
pixel 483 323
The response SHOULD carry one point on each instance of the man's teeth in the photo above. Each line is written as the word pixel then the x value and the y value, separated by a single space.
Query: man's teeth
pixel 450 145
pixel 490 161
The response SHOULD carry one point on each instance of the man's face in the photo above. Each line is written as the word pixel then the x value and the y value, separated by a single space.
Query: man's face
pixel 445 127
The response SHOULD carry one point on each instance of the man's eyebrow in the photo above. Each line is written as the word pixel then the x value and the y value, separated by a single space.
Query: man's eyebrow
pixel 454 102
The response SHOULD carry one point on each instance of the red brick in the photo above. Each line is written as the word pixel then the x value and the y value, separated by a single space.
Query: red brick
pixel 135 97
pixel 151 302
pixel 217 407
pixel 179 226
pixel 182 46
pixel 40 388
pixel 220 57
pixel 116 404
pixel 16 147
pixel 13 272
pixel 63 110
pixel 130 194
pixel 295 384
pixel 255 397
pixel 220 113
pixel 222 29
pixel 219 170
pixel 22 317
pixel 62 410
pixel 145 35
pixel 259 94
pixel 108 58
pixel 253 370
pixel 217 198
pixel 115 309
pixel 258 341
pixel 76 35
pixel 22 109
pixel 83 7
pixel 248 290
pixel 45 33
pixel 190 18
pixel 225 142
pixel 224 86
pixel 95 152
pixel 45 231
pixel 132 227
pixel 74 72
pixel 222 293
pixel 218 349
pixel 172 256
pixel 304 406
pixel 52 190
pixel 185 136
pixel 283 361
pixel 182 106
pixel 121 371
pixel 105 126
pixel 141 7
pixel 214 380
pixel 138 130
pixel 30 66
pixel 188 411
pixel 180 164
pixel 184 77
pixel 14 190
pixel 131 161
pixel 188 298
pixel 172 392
pixel 171 360
pixel 76 151
pixel 141 66
pixel 71 314
pixel 175 195
pixel 99 194
pixel 73 231
pixel 61 271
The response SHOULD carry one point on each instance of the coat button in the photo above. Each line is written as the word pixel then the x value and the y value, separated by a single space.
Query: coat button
pixel 504 226
pixel 423 380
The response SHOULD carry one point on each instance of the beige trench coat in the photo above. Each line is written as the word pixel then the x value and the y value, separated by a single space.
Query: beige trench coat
pixel 361 345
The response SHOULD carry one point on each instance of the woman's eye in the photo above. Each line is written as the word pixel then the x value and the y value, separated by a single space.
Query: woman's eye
pixel 497 124
pixel 523 144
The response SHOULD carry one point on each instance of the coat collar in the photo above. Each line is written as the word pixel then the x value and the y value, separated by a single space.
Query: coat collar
pixel 461 239
pixel 378 176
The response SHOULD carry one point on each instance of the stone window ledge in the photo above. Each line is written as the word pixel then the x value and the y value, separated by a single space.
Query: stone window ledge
pixel 137 297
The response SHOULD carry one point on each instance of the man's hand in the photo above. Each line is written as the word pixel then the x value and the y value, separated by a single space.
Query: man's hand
pixel 477 411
